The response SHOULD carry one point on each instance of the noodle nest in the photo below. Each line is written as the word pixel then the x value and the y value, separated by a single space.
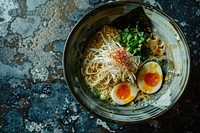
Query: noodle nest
pixel 107 63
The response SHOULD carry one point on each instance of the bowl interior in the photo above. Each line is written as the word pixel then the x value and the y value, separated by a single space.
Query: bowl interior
pixel 177 52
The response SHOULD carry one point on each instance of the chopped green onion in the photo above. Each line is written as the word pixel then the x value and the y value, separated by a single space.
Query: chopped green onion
pixel 129 37
pixel 134 40
pixel 118 38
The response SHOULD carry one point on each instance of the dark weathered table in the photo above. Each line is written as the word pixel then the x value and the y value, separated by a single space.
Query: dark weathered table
pixel 33 94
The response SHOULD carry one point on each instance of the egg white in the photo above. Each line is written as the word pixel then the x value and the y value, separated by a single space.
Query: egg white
pixel 133 93
pixel 150 67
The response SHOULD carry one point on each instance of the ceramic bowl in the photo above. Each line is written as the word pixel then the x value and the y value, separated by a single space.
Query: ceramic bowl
pixel 177 51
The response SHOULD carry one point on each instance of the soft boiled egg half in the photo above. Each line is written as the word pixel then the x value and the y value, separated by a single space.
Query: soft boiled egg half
pixel 124 93
pixel 150 77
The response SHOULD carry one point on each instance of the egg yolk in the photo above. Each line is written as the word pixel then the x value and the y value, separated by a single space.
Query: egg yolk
pixel 123 91
pixel 152 79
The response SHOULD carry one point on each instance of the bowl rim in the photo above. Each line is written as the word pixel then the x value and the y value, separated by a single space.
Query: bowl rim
pixel 110 4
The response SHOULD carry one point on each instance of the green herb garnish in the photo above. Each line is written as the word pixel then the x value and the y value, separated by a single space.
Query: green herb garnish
pixel 134 40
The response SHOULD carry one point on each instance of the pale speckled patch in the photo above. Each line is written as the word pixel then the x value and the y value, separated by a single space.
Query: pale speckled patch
pixel 154 3
pixel 40 127
pixel 26 26
pixel 32 4
pixel 3 28
pixel 40 73
pixel 82 4
pixel 75 117
pixel 104 125
pixel 32 126
pixel 6 6
pixel 52 28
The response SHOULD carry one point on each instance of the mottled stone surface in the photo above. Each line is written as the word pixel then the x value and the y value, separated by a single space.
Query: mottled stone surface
pixel 34 96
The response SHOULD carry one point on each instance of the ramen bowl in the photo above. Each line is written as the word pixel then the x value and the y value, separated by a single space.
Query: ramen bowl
pixel 177 52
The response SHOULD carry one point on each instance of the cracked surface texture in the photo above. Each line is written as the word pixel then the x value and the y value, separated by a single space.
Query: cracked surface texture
pixel 34 96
